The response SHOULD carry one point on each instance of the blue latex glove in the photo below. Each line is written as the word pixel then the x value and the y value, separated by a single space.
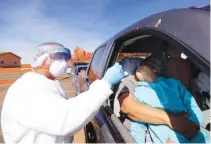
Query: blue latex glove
pixel 114 74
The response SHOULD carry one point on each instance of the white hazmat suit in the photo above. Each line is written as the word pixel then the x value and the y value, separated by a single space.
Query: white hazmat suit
pixel 36 110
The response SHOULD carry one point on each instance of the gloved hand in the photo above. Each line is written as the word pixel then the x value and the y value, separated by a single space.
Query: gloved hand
pixel 114 74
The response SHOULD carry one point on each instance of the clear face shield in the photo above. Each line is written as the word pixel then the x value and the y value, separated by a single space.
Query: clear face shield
pixel 56 54
pixel 61 54
pixel 59 57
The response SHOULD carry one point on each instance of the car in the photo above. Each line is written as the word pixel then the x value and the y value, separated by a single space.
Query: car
pixel 77 72
pixel 79 63
pixel 68 71
pixel 185 28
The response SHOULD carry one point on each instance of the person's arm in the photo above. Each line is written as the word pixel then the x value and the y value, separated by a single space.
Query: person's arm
pixel 62 117
pixel 48 113
pixel 191 105
pixel 142 112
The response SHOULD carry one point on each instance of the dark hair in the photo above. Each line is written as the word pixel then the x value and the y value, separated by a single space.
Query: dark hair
pixel 154 61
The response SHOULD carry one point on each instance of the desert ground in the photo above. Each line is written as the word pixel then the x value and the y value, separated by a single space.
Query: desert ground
pixel 7 79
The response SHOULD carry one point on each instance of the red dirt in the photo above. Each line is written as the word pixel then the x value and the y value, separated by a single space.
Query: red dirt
pixel 7 82
pixel 15 70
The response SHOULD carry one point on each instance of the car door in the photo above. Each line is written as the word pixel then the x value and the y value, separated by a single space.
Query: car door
pixel 105 127
pixel 98 130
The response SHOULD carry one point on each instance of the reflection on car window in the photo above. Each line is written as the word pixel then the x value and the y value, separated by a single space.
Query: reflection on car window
pixel 96 63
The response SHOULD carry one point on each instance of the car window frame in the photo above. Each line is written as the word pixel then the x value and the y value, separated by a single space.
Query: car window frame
pixel 91 62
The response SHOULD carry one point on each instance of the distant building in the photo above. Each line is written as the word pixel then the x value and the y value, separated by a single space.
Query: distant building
pixel 9 59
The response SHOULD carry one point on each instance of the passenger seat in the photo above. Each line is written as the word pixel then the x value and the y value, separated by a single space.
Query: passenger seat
pixel 179 69
pixel 129 65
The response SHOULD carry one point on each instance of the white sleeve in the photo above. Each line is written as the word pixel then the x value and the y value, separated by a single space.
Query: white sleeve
pixel 62 117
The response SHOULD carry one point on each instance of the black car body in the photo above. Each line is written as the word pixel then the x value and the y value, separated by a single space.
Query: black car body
pixel 187 28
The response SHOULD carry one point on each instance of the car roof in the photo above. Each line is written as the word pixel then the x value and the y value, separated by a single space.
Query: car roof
pixel 190 25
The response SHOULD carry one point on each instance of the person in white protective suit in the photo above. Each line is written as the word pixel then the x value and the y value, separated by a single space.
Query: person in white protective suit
pixel 36 111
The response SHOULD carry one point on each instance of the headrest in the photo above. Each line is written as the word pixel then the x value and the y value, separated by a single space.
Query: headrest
pixel 130 64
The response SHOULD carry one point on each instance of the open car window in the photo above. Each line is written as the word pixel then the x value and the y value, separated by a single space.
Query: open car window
pixel 144 47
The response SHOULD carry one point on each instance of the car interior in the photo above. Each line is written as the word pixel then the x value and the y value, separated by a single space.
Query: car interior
pixel 80 68
pixel 141 48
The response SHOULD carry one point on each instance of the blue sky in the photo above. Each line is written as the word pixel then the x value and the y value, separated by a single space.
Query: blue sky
pixel 83 23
